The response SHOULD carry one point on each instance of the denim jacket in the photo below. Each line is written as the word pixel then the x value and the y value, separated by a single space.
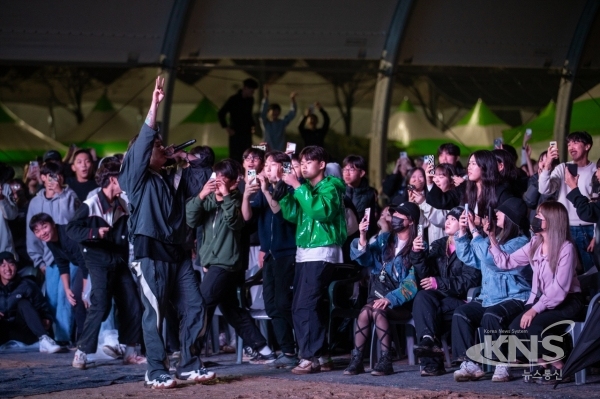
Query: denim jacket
pixel 496 285
pixel 370 256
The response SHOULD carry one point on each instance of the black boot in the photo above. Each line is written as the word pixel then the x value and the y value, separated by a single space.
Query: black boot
pixel 356 364
pixel 384 365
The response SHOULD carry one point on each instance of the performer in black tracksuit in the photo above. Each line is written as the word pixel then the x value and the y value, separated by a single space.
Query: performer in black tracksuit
pixel 100 227
pixel 157 231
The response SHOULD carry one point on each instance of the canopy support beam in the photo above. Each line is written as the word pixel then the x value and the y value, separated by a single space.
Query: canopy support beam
pixel 169 58
pixel 565 91
pixel 383 92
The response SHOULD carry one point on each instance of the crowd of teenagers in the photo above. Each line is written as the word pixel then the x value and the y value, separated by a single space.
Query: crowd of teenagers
pixel 162 235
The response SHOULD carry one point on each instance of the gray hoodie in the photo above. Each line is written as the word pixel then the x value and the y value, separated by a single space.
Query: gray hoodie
pixel 8 211
pixel 62 208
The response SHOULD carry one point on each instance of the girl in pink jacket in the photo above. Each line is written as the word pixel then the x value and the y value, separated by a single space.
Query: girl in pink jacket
pixel 555 293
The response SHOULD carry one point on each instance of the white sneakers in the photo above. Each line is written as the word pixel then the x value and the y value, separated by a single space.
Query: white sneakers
pixel 468 371
pixel 200 375
pixel 502 373
pixel 47 345
pixel 80 360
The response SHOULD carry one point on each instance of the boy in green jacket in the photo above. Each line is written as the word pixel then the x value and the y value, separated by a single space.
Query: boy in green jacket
pixel 317 207
pixel 218 209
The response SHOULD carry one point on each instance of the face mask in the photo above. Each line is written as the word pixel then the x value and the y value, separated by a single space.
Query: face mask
pixel 398 224
pixel 536 225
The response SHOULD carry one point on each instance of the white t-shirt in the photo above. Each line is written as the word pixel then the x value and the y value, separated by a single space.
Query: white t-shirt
pixel 330 253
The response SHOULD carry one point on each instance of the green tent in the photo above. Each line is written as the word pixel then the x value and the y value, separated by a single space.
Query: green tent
pixel 203 125
pixel 410 130
pixel 103 129
pixel 21 143
pixel 585 116
pixel 478 128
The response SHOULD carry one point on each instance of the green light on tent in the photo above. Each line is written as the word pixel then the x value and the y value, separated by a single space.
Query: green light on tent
pixel 103 104
pixel 205 112
pixel 6 115
pixel 480 115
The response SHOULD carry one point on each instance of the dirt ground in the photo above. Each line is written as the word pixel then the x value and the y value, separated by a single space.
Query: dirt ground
pixel 259 388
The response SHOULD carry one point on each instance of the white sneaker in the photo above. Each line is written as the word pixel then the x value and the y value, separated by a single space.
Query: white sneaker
pixel 47 345
pixel 468 371
pixel 164 381
pixel 80 360
pixel 200 375
pixel 502 373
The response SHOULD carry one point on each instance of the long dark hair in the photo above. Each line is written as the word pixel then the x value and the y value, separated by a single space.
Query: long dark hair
pixel 509 171
pixel 508 232
pixel 490 178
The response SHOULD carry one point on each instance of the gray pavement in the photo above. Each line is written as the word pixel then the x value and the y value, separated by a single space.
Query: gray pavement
pixel 31 373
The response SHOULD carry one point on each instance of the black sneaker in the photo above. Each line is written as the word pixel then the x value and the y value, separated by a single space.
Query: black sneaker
pixel 263 359
pixel 284 361
pixel 428 348
pixel 249 354
pixel 356 364
pixel 432 371
pixel 384 365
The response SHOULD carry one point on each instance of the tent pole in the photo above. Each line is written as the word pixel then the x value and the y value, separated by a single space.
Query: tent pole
pixel 565 91
pixel 383 93
pixel 178 20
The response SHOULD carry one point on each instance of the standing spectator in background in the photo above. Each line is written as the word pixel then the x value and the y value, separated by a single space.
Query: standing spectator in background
pixel 157 231
pixel 357 186
pixel 83 181
pixel 396 182
pixel 18 226
pixel 273 127
pixel 450 153
pixel 60 203
pixel 24 312
pixel 8 208
pixel 311 134
pixel 553 182
pixel 241 122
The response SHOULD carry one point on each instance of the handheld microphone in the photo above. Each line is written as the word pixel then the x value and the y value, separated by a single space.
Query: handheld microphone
pixel 180 147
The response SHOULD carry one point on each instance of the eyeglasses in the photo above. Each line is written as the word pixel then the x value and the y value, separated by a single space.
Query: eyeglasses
pixel 348 170
pixel 251 158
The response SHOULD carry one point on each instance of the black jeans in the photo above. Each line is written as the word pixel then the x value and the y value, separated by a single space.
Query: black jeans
pixel 569 309
pixel 432 312
pixel 219 287
pixel 467 318
pixel 278 294
pixel 106 284
pixel 24 326
pixel 163 283
pixel 309 314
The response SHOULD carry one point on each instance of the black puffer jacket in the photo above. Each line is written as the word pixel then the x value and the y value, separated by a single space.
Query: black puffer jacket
pixel 452 276
pixel 17 289
pixel 363 196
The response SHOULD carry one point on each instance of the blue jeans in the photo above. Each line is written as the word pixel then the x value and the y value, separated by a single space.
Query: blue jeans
pixel 582 235
pixel 59 305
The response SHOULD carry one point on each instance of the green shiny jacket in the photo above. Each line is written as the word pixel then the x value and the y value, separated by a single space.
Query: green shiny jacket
pixel 319 213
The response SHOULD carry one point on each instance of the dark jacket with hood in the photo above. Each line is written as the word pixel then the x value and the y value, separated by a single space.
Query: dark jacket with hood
pixel 277 235
pixel 65 251
pixel 452 276
pixel 22 288
pixel 94 213
pixel 223 223
pixel 154 210
pixel 363 196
